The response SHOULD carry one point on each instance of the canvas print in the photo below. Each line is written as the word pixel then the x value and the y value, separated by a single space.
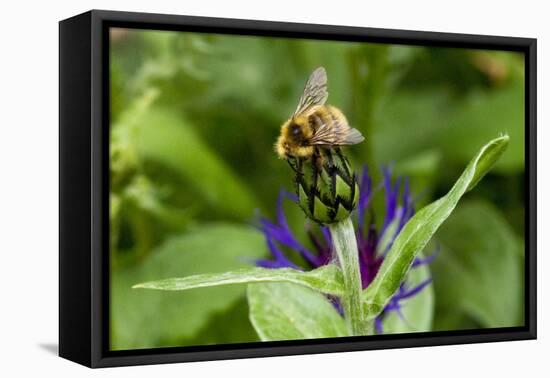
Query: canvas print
pixel 266 189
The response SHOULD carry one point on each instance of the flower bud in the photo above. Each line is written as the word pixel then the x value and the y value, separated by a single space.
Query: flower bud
pixel 326 186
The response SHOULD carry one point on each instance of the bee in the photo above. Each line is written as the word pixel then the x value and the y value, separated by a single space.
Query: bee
pixel 314 125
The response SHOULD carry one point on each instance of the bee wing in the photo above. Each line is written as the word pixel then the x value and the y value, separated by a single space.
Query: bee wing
pixel 336 134
pixel 315 91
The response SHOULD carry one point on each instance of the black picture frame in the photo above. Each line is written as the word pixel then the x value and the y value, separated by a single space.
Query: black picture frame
pixel 84 188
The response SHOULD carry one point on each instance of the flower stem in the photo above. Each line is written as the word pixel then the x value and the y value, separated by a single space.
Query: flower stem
pixel 345 245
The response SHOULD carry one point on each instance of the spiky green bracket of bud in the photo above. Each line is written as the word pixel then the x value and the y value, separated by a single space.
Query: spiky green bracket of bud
pixel 326 185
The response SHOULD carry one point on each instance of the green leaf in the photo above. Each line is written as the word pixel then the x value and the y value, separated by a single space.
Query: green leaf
pixel 283 311
pixel 326 279
pixel 420 228
pixel 481 253
pixel 165 137
pixel 149 318
pixel 417 311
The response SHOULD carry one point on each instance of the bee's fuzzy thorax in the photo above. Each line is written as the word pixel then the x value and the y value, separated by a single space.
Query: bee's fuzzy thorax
pixel 294 133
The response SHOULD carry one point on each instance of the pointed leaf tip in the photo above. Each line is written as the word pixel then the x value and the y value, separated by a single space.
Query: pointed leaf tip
pixel 326 279
pixel 421 227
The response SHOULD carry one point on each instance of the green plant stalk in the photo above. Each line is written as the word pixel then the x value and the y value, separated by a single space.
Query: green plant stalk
pixel 345 246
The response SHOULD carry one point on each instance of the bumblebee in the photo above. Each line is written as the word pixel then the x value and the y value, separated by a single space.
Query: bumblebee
pixel 314 125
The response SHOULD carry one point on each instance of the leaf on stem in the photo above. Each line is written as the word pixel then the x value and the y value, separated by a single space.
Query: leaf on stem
pixel 290 312
pixel 326 279
pixel 417 312
pixel 152 318
pixel 420 228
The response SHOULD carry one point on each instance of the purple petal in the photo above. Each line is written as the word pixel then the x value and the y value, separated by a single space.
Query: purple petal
pixel 401 316
pixel 326 235
pixel 391 194
pixel 279 256
pixel 365 191
pixel 378 325
pixel 281 232
pixel 323 248
pixel 337 304
pixel 392 306
pixel 415 290
pixel 281 218
pixel 264 263
pixel 406 198
pixel 419 261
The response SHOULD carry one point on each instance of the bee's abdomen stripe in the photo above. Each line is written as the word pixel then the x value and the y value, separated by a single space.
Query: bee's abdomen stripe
pixel 326 115
pixel 315 121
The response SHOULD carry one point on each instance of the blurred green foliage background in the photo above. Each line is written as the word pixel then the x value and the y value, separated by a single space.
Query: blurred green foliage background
pixel 193 121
